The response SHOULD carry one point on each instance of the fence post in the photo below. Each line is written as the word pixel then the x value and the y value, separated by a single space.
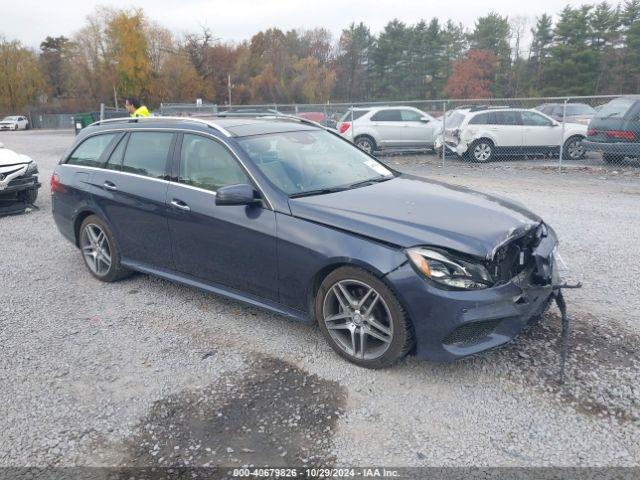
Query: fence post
pixel 564 116
pixel 444 126
pixel 101 111
pixel 353 138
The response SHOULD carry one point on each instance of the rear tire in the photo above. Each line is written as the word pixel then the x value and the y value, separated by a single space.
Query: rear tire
pixel 100 251
pixel 573 149
pixel 368 326
pixel 366 144
pixel 481 151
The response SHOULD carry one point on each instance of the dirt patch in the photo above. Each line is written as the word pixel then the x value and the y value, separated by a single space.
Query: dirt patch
pixel 602 371
pixel 274 415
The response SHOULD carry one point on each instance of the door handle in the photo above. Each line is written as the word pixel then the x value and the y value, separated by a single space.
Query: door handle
pixel 181 205
pixel 109 185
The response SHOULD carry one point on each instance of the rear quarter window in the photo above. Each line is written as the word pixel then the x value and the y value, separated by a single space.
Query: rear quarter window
pixel 356 115
pixel 89 152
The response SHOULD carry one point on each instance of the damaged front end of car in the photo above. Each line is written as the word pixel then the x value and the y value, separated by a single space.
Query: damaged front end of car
pixel 18 182
pixel 489 300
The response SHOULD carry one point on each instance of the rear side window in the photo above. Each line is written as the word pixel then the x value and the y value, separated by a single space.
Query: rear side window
pixel 506 118
pixel 90 151
pixel 205 163
pixel 616 108
pixel 387 116
pixel 115 159
pixel 356 115
pixel 480 119
pixel 147 153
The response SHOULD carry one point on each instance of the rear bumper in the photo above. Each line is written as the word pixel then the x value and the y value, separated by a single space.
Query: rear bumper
pixel 450 325
pixel 629 149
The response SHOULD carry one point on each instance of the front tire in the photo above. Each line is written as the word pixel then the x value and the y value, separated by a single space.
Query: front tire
pixel 100 251
pixel 482 151
pixel 362 319
pixel 366 144
pixel 573 149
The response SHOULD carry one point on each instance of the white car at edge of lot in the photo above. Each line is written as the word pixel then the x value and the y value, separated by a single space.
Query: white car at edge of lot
pixel 14 122
pixel 389 128
pixel 480 134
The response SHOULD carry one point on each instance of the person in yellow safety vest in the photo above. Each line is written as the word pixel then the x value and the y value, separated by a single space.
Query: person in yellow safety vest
pixel 135 109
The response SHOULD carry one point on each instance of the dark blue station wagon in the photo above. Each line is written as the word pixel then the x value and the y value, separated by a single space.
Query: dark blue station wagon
pixel 285 215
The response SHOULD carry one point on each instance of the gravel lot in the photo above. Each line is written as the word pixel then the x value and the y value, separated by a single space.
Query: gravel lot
pixel 145 372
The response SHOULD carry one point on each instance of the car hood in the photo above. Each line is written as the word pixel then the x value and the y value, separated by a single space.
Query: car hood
pixel 9 157
pixel 409 211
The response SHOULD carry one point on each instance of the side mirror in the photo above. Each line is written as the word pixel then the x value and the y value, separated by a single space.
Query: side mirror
pixel 241 194
pixel 425 120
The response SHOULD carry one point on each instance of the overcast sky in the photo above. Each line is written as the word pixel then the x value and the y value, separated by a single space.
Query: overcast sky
pixel 32 20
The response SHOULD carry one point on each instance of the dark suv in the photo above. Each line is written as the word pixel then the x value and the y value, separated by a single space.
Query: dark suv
pixel 282 214
pixel 615 130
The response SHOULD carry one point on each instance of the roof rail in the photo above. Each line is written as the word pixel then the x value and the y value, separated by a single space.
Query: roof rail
pixel 264 115
pixel 224 131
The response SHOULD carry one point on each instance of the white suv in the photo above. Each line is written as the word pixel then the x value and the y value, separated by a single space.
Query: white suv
pixel 481 133
pixel 395 128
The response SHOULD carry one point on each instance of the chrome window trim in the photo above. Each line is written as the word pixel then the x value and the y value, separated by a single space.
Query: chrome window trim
pixel 206 134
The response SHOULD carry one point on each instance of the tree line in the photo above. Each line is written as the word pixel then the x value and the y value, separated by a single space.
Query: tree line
pixel 586 50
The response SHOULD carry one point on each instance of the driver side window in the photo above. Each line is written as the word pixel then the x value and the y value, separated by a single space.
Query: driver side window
pixel 205 163
pixel 535 119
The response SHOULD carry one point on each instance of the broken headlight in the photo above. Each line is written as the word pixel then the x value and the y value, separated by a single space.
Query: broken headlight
pixel 32 168
pixel 447 270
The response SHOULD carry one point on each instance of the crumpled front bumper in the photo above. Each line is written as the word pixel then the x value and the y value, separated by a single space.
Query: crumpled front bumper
pixel 20 184
pixel 450 325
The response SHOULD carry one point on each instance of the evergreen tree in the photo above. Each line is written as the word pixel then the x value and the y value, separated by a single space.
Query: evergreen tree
pixel 492 33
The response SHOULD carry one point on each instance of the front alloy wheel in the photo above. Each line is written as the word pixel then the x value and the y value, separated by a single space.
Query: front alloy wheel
pixel 362 319
pixel 574 149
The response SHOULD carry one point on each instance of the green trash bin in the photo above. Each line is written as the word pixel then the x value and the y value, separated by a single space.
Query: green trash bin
pixel 81 120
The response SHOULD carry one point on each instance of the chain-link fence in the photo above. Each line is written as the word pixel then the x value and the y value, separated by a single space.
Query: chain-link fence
pixel 562 132
pixel 51 120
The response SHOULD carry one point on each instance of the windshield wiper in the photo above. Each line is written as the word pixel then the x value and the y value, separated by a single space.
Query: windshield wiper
pixel 363 183
pixel 320 191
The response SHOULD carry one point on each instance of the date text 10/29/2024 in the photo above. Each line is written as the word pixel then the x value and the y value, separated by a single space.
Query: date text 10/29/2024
pixel 315 473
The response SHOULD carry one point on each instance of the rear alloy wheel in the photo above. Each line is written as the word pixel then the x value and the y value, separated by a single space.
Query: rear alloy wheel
pixel 361 318
pixel 573 149
pixel 99 250
pixel 482 151
pixel 366 144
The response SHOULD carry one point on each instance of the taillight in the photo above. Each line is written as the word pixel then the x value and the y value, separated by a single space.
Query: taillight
pixel 591 132
pixel 56 186
pixel 621 134
pixel 344 126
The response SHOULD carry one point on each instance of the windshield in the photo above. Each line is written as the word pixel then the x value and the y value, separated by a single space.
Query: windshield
pixel 10 119
pixel 580 109
pixel 314 161
pixel 616 108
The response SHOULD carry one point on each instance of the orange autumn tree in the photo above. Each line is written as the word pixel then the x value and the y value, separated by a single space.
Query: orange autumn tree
pixel 472 76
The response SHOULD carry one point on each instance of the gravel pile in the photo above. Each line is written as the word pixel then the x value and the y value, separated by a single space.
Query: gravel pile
pixel 122 374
